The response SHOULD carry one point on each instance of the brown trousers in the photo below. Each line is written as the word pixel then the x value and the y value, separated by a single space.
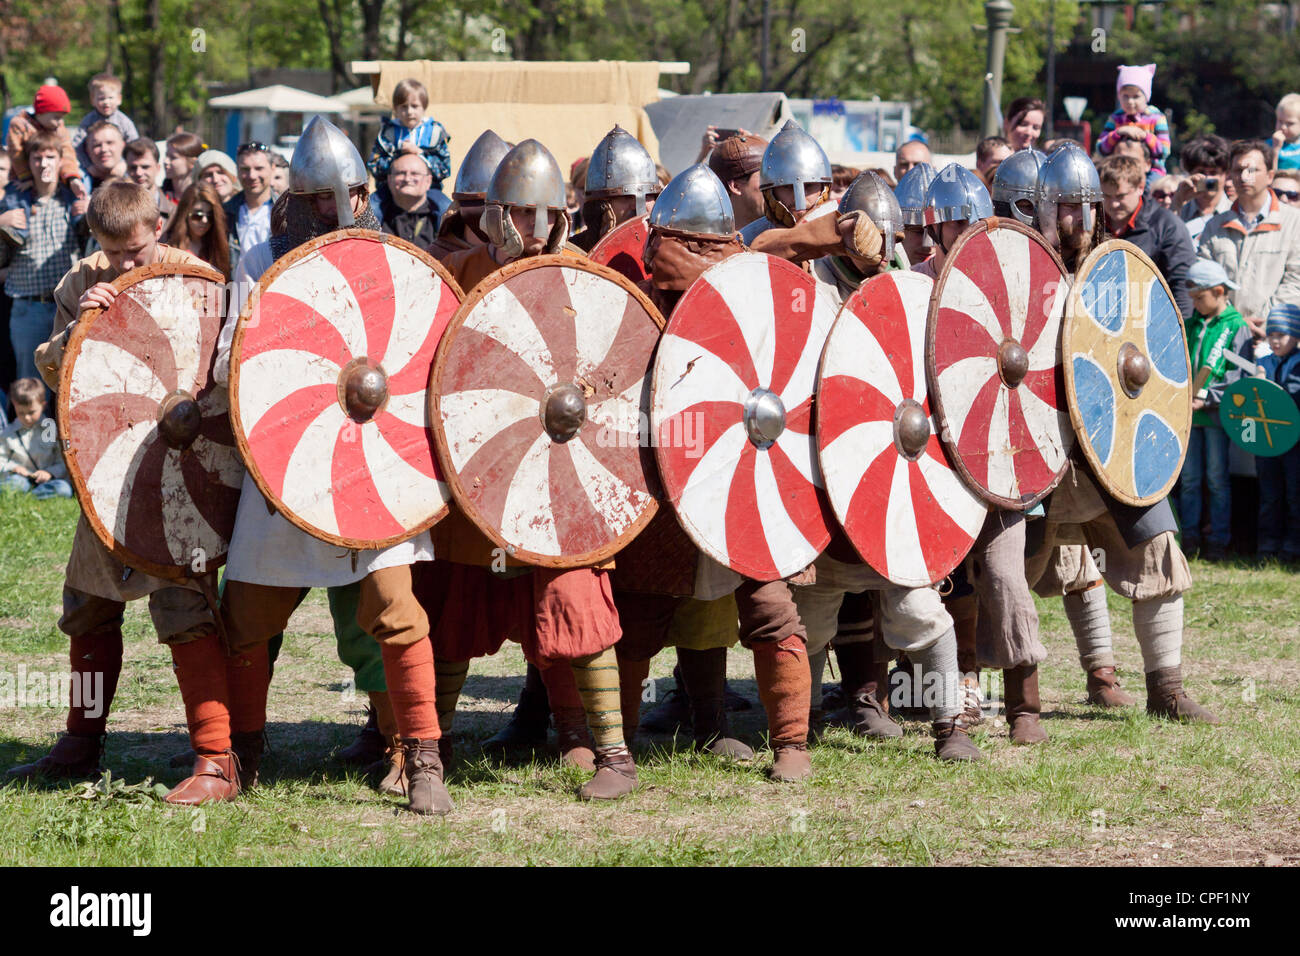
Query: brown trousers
pixel 388 610
pixel 179 614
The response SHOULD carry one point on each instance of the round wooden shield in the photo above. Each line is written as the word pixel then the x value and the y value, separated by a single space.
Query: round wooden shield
pixel 621 249
pixel 888 478
pixel 993 363
pixel 538 398
pixel 329 369
pixel 147 433
pixel 1260 416
pixel 732 415
pixel 1126 373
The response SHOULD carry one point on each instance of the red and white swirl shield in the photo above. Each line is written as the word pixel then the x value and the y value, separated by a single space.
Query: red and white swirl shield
pixel 329 372
pixel 538 398
pixel 887 476
pixel 622 247
pixel 150 448
pixel 993 362
pixel 732 415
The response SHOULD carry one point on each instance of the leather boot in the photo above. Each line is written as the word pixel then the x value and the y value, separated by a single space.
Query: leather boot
pixel 369 745
pixel 1103 689
pixel 615 776
pixel 573 738
pixel 72 757
pixel 1166 698
pixel 527 727
pixel 709 722
pixel 1023 705
pixel 865 681
pixel 952 740
pixel 791 763
pixel 215 777
pixel 248 747
pixel 703 677
pixel 393 767
pixel 424 777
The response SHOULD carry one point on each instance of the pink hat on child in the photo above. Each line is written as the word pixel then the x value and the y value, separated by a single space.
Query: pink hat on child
pixel 1139 76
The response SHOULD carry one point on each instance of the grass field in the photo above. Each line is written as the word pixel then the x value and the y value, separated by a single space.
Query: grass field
pixel 1107 789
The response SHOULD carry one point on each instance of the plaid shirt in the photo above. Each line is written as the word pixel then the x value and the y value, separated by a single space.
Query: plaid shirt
pixel 46 249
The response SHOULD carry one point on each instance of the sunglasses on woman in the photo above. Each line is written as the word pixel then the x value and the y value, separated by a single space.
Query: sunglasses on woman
pixel 1290 195
pixel 197 215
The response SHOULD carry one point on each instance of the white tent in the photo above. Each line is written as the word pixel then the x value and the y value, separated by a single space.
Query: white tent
pixel 278 99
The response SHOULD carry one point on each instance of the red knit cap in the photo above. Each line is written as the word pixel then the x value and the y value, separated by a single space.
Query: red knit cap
pixel 51 99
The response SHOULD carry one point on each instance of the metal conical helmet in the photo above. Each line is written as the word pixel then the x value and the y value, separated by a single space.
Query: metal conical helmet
pixel 910 193
pixel 695 201
pixel 870 194
pixel 1016 179
pixel 479 164
pixel 326 161
pixel 620 166
pixel 528 177
pixel 957 195
pixel 1067 176
pixel 794 158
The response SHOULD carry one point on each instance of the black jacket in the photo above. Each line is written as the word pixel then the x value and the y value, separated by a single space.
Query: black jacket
pixel 419 228
pixel 1164 237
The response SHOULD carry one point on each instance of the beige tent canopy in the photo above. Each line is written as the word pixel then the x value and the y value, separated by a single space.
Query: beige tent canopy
pixel 568 107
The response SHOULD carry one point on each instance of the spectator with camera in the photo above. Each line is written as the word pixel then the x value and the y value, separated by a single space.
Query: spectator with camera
pixel 1202 195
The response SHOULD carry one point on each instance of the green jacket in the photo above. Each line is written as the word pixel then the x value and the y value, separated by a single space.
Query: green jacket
pixel 1207 342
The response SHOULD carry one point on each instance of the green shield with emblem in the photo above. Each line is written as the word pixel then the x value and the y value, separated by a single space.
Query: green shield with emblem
pixel 1260 416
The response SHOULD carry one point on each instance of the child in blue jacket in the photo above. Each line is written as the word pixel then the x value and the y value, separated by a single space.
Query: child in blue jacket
pixel 1279 478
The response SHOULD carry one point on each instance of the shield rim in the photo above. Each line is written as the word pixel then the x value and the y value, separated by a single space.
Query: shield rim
pixel 1233 434
pixel 289 259
pixel 981 227
pixel 707 548
pixel 607 240
pixel 434 394
pixel 1076 419
pixel 71 351
pixel 821 364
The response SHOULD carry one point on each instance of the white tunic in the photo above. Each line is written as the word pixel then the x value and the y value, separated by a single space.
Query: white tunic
pixel 266 548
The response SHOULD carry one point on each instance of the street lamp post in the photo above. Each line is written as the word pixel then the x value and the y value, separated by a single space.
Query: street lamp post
pixel 998 15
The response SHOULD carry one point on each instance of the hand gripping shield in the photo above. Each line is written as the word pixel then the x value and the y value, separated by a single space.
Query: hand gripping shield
pixel 329 369
pixel 539 398
pixel 732 415
pixel 1124 353
pixel 993 363
pixel 146 431
pixel 889 480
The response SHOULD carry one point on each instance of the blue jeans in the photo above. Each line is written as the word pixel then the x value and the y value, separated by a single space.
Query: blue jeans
pixel 1206 464
pixel 54 488
pixel 1279 504
pixel 30 325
